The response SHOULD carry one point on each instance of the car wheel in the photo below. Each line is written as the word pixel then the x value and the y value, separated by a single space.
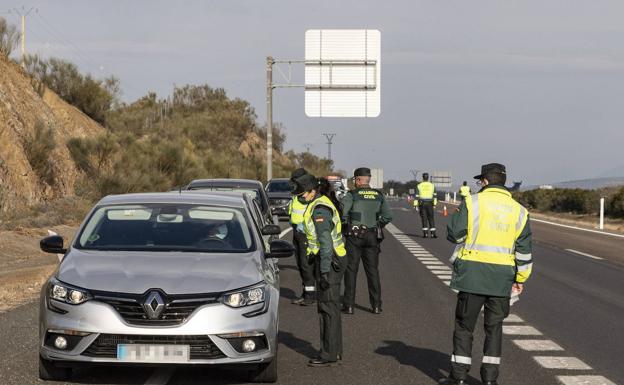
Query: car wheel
pixel 266 373
pixel 50 372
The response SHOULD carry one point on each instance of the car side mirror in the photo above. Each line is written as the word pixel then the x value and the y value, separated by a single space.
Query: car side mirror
pixel 280 249
pixel 52 244
pixel 271 230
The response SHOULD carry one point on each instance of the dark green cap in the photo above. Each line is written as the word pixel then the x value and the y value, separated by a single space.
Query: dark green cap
pixel 362 171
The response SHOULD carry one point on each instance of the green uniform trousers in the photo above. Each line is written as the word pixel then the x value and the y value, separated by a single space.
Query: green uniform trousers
pixel 328 302
pixel 304 264
pixel 496 309
pixel 365 248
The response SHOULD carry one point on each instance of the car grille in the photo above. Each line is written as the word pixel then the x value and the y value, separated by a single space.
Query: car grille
pixel 279 202
pixel 105 346
pixel 177 307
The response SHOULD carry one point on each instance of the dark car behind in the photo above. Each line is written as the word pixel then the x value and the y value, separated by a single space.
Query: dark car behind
pixel 278 191
pixel 249 186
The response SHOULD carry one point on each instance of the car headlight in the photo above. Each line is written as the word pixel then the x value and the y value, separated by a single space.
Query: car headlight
pixel 245 297
pixel 63 292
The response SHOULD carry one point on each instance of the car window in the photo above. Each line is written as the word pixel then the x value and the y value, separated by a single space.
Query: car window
pixel 253 192
pixel 167 227
pixel 279 186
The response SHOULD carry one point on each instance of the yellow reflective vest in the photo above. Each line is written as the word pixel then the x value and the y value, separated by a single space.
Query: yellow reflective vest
pixel 310 229
pixel 426 193
pixel 464 191
pixel 487 262
pixel 296 209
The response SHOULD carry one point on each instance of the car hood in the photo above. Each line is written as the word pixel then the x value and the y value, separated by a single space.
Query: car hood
pixel 173 272
pixel 279 195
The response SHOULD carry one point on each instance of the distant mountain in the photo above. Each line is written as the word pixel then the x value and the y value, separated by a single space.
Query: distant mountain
pixel 591 184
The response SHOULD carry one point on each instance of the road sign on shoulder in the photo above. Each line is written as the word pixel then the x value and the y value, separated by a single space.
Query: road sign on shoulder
pixel 342 72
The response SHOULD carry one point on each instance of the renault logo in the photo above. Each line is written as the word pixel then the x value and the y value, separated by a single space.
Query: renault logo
pixel 154 305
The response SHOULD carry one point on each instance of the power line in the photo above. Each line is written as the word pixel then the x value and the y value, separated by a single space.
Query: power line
pixel 78 52
pixel 330 138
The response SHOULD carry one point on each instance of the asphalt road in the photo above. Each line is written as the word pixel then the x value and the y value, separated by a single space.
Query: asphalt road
pixel 573 303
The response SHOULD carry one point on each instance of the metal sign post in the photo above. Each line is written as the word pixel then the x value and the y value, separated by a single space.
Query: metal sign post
pixel 342 77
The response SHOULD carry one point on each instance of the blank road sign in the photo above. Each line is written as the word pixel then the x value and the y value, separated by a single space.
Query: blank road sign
pixel 342 72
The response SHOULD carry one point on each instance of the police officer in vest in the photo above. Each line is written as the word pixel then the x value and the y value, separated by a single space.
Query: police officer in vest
pixel 296 209
pixel 323 230
pixel 366 212
pixel 464 191
pixel 492 260
pixel 426 200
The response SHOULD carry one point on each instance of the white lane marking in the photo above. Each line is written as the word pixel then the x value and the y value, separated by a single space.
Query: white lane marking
pixel 286 231
pixel 537 345
pixel 444 277
pixel 584 254
pixel 160 376
pixel 438 268
pixel 578 228
pixel 447 283
pixel 423 255
pixel 584 380
pixel 569 363
pixel 432 263
pixel 513 318
pixel 427 258
pixel 521 330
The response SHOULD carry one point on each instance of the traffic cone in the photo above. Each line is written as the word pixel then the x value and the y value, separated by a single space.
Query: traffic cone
pixel 445 212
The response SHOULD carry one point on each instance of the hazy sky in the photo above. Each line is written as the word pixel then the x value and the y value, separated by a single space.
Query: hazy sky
pixel 535 84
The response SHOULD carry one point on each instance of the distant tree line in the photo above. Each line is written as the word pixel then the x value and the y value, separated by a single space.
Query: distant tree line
pixel 575 201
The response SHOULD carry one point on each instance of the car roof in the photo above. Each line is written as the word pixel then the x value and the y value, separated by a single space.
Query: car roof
pixel 279 180
pixel 225 183
pixel 232 200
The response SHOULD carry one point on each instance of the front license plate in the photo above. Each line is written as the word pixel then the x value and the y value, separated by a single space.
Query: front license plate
pixel 153 353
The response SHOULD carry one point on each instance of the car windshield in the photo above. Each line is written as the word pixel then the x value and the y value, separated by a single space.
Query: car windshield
pixel 167 227
pixel 279 186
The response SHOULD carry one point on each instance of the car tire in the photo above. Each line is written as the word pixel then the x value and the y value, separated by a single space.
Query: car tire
pixel 49 371
pixel 266 373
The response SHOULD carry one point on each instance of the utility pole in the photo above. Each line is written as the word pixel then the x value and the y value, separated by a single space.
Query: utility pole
pixel 329 138
pixel 269 101
pixel 23 13
pixel 307 146
pixel 414 173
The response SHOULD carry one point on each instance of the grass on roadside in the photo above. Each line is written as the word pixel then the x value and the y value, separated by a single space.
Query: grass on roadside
pixel 63 211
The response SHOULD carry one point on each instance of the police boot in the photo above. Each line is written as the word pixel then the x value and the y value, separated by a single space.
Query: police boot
pixel 451 381
pixel 490 383
pixel 319 362
pixel 433 234
pixel 425 234
pixel 309 298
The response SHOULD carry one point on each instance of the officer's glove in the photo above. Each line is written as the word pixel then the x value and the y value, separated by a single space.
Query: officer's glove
pixel 324 282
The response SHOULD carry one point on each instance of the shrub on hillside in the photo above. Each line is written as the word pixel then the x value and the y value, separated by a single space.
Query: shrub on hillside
pixel 616 204
pixel 38 147
pixel 9 37
pixel 93 97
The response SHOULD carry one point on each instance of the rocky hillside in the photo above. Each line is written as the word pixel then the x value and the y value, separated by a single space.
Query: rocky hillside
pixel 35 164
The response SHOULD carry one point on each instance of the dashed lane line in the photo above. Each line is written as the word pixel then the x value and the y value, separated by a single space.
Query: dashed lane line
pixel 567 363
pixel 521 330
pixel 513 318
pixel 537 345
pixel 584 380
pixel 584 254
pixel 438 267
pixel 443 272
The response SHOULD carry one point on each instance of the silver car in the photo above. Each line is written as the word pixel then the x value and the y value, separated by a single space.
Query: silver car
pixel 164 278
